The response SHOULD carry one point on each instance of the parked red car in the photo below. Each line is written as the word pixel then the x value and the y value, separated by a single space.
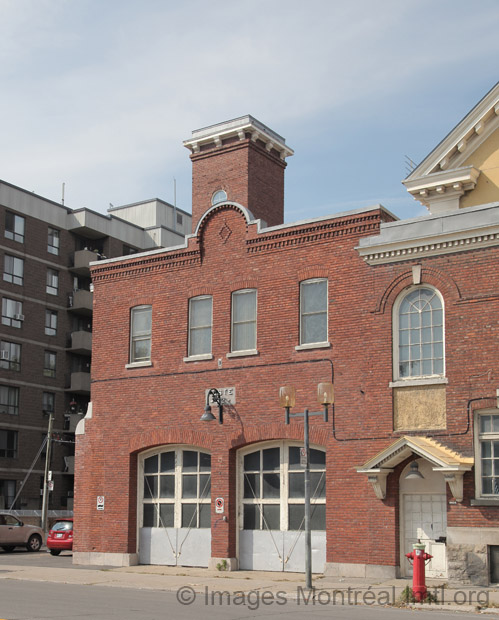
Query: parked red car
pixel 60 536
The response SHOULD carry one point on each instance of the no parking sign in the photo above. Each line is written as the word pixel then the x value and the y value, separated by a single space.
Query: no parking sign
pixel 219 505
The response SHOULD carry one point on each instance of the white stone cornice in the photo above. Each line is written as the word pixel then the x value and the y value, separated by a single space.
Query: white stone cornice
pixel 446 185
pixel 457 147
pixel 461 231
pixel 239 128
pixel 427 247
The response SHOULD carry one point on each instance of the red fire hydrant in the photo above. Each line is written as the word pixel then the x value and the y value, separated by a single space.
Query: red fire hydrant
pixel 419 558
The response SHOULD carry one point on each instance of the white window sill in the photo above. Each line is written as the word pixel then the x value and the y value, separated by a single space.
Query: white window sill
pixel 198 358
pixel 416 382
pixel 138 364
pixel 485 501
pixel 242 353
pixel 313 345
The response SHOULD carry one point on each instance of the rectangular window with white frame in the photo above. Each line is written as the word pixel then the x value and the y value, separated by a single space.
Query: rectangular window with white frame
pixel 50 322
pixel 12 312
pixel 53 241
pixel 52 281
pixel 9 399
pixel 200 325
pixel 313 312
pixel 10 355
pixel 243 332
pixel 14 227
pixel 140 334
pixel 13 269
pixel 487 453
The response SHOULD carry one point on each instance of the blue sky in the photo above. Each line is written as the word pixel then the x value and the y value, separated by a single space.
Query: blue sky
pixel 100 94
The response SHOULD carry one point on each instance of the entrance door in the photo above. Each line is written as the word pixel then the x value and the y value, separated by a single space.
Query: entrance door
pixel 272 508
pixel 174 517
pixel 424 514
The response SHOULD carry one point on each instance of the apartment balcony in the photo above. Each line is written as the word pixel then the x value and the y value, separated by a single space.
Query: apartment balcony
pixel 71 421
pixel 80 383
pixel 81 302
pixel 81 262
pixel 81 342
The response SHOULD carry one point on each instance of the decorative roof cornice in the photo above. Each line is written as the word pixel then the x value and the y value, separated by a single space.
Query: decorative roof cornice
pixel 453 151
pixel 475 127
pixel 316 232
pixel 240 128
pixel 443 185
pixel 459 231
pixel 140 265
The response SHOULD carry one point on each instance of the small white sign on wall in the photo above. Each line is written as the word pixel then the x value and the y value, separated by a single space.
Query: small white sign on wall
pixel 219 505
pixel 100 502
pixel 228 395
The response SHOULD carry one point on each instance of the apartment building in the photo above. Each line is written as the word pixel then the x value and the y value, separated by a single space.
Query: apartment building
pixel 46 327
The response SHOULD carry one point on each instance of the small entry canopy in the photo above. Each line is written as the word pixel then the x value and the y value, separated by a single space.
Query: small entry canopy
pixel 443 459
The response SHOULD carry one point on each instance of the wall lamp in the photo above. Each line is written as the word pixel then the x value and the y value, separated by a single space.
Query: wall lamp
pixel 414 473
pixel 217 398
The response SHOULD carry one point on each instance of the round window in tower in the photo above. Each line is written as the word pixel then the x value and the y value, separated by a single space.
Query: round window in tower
pixel 218 196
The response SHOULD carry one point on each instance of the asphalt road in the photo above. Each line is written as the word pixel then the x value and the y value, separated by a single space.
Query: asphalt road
pixel 29 600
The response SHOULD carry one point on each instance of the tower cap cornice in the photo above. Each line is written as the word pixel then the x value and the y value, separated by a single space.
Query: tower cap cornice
pixel 238 127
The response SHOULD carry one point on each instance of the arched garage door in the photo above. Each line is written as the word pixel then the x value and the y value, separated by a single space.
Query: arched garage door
pixel 174 507
pixel 272 508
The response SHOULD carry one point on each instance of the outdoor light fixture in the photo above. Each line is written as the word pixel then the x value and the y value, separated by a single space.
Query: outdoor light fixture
pixel 287 399
pixel 325 397
pixel 208 415
pixel 414 472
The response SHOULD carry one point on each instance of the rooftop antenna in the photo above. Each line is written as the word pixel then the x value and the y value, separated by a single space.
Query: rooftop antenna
pixel 62 199
pixel 409 164
pixel 174 204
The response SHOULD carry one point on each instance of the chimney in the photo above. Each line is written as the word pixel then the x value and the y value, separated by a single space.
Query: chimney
pixel 239 161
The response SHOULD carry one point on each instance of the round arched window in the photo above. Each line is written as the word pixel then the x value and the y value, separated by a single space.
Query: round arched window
pixel 218 196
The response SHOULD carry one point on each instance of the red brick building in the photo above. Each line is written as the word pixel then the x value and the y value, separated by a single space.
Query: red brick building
pixel 400 316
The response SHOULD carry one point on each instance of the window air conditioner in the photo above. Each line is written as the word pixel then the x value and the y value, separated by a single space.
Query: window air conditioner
pixel 19 317
pixel 4 355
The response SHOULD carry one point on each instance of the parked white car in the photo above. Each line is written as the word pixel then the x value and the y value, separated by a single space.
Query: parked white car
pixel 14 533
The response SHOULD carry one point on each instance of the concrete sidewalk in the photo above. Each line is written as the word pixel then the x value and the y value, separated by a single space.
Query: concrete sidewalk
pixel 215 588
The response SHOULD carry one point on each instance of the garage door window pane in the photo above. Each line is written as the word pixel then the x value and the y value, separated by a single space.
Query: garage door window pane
pixel 271 516
pixel 148 519
pixel 166 515
pixel 167 486
pixel 271 485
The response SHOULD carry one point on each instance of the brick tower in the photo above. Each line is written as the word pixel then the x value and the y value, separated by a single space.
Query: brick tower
pixel 240 161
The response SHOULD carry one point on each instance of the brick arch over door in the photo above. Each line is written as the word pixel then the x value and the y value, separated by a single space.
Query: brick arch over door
pixel 234 440
pixel 174 435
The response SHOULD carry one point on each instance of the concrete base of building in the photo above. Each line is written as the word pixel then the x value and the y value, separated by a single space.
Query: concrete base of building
pixel 224 564
pixel 468 558
pixel 105 559
pixel 363 571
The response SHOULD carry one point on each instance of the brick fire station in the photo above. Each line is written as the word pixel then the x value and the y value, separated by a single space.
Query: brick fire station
pixel 400 316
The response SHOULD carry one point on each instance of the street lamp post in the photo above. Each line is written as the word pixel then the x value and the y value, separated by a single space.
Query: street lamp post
pixel 325 397
pixel 46 490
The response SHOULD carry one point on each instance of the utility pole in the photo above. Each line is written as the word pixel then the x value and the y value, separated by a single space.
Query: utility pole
pixel 46 492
